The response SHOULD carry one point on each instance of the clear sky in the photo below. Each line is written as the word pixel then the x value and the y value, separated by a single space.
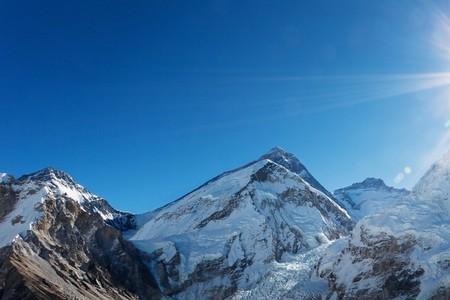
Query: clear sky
pixel 141 101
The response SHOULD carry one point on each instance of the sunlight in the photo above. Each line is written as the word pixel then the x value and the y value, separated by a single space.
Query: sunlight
pixel 441 35
pixel 347 90
pixel 344 91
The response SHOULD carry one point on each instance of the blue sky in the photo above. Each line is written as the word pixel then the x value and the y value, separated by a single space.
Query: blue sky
pixel 141 101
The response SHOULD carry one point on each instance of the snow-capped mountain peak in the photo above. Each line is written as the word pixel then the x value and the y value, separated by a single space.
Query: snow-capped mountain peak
pixel 5 178
pixel 50 174
pixel 293 164
pixel 435 184
pixel 24 200
pixel 367 197
pixel 370 182
pixel 53 232
pixel 284 158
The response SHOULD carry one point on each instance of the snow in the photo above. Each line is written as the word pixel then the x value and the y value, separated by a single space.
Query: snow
pixel 5 178
pixel 105 215
pixel 291 162
pixel 435 184
pixel 293 278
pixel 182 216
pixel 422 215
pixel 368 197
pixel 425 219
pixel 33 190
pixel 25 213
pixel 64 187
pixel 411 217
pixel 236 217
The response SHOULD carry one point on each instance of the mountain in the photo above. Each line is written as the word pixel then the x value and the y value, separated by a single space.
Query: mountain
pixel 290 162
pixel 222 236
pixel 401 252
pixel 367 197
pixel 435 184
pixel 56 243
pixel 266 230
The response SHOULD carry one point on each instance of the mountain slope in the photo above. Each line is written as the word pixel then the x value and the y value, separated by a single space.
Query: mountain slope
pixel 222 236
pixel 367 197
pixel 400 252
pixel 56 244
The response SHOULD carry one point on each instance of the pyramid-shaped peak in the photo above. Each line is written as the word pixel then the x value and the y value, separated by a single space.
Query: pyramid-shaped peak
pixel 49 173
pixel 284 158
pixel 277 149
pixel 293 164
pixel 277 152
pixel 435 183
pixel 368 183
pixel 373 182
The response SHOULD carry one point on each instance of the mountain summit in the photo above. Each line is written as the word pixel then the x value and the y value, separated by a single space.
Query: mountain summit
pixel 369 196
pixel 291 162
pixel 435 184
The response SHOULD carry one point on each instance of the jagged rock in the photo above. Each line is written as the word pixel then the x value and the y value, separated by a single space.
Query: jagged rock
pixel 8 199
pixel 379 267
pixel 68 251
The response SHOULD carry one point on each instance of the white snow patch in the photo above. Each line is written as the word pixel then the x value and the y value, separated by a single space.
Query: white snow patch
pixel 5 178
pixel 25 213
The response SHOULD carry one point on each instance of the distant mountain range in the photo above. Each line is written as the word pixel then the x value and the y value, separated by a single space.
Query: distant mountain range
pixel 266 230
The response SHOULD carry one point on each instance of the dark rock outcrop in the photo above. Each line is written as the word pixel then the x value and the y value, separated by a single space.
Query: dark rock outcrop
pixel 70 252
pixel 385 269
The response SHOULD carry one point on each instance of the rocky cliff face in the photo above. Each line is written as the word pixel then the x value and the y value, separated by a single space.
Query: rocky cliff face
pixel 58 245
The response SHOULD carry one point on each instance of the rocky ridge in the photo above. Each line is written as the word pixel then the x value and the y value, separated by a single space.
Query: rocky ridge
pixel 56 244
